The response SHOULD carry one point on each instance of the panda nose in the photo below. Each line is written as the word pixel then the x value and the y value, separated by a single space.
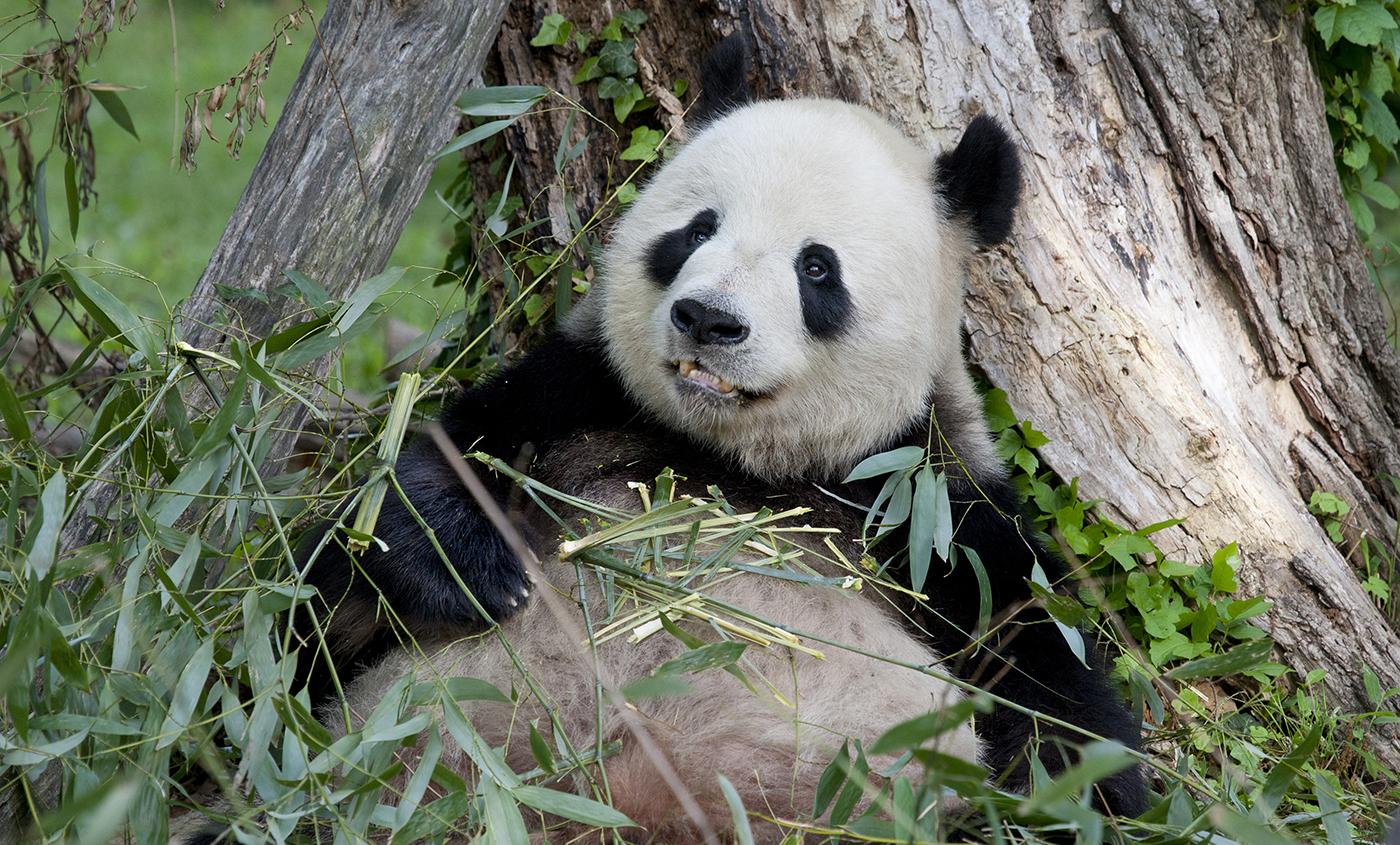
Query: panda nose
pixel 706 324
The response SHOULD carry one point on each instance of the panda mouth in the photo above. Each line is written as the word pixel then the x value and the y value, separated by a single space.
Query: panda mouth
pixel 694 374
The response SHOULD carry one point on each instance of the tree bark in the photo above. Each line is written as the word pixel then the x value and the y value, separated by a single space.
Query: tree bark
pixel 1184 307
pixel 339 177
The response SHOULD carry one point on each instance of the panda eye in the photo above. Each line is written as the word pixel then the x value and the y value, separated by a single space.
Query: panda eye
pixel 699 234
pixel 815 269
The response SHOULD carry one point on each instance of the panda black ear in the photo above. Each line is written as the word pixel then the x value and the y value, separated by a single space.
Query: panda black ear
pixel 724 81
pixel 980 180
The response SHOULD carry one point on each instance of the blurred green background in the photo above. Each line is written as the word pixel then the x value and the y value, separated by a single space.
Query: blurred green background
pixel 161 222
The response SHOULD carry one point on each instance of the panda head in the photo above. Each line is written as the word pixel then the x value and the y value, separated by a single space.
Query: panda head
pixel 788 288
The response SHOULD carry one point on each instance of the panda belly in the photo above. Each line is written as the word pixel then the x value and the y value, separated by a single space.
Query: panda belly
pixel 772 746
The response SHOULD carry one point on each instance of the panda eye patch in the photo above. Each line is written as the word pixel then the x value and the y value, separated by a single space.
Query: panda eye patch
pixel 826 304
pixel 669 252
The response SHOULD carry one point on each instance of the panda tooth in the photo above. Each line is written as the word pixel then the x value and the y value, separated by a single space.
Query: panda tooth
pixel 694 372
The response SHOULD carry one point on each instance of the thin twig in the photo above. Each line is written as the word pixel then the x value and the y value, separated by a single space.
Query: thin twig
pixel 354 148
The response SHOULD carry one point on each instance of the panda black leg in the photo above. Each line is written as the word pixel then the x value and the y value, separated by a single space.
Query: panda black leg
pixel 1026 661
pixel 1061 687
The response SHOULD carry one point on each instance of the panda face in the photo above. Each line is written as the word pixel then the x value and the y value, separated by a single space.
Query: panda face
pixel 787 288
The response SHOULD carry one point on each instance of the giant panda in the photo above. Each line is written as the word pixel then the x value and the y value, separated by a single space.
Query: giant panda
pixel 782 300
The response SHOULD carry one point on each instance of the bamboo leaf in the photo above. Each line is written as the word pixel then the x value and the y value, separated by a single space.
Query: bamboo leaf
pixel 1281 777
pixel 12 412
pixel 466 139
pixel 710 656
pixel 113 316
pixel 51 506
pixel 832 778
pixel 504 824
pixel 501 100
pixel 570 806
pixel 1241 658
pixel 931 527
pixel 431 693
pixel 114 106
pixel 1097 761
pixel 70 190
pixel 186 695
pixel 743 834
pixel 1334 819
pixel 895 460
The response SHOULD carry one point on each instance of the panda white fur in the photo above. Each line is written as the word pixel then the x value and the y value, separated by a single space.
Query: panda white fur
pixel 782 300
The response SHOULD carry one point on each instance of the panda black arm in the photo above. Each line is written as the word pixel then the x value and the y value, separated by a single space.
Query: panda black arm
pixel 564 386
pixel 1026 661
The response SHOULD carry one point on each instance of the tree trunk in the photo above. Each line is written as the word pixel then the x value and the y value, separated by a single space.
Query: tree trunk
pixel 1184 308
pixel 318 203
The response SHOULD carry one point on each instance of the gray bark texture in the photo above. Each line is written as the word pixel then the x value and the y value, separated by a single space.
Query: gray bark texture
pixel 320 205
pixel 1184 307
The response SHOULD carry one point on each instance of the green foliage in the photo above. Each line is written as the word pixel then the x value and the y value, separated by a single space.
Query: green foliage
pixel 1372 557
pixel 613 66
pixel 1360 44
pixel 519 279
pixel 139 667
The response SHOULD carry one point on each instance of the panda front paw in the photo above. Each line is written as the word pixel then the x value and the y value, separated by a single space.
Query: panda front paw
pixel 469 579
pixel 495 578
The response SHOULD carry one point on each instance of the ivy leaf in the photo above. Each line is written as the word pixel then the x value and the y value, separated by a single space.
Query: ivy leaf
pixel 1222 571
pixel 611 87
pixel 643 146
pixel 554 29
pixel 616 57
pixel 1034 439
pixel 632 19
pixel 1383 194
pixel 1378 122
pixel 997 411
pixel 1360 212
pixel 588 71
pixel 1124 548
pixel 633 99
pixel 1363 24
